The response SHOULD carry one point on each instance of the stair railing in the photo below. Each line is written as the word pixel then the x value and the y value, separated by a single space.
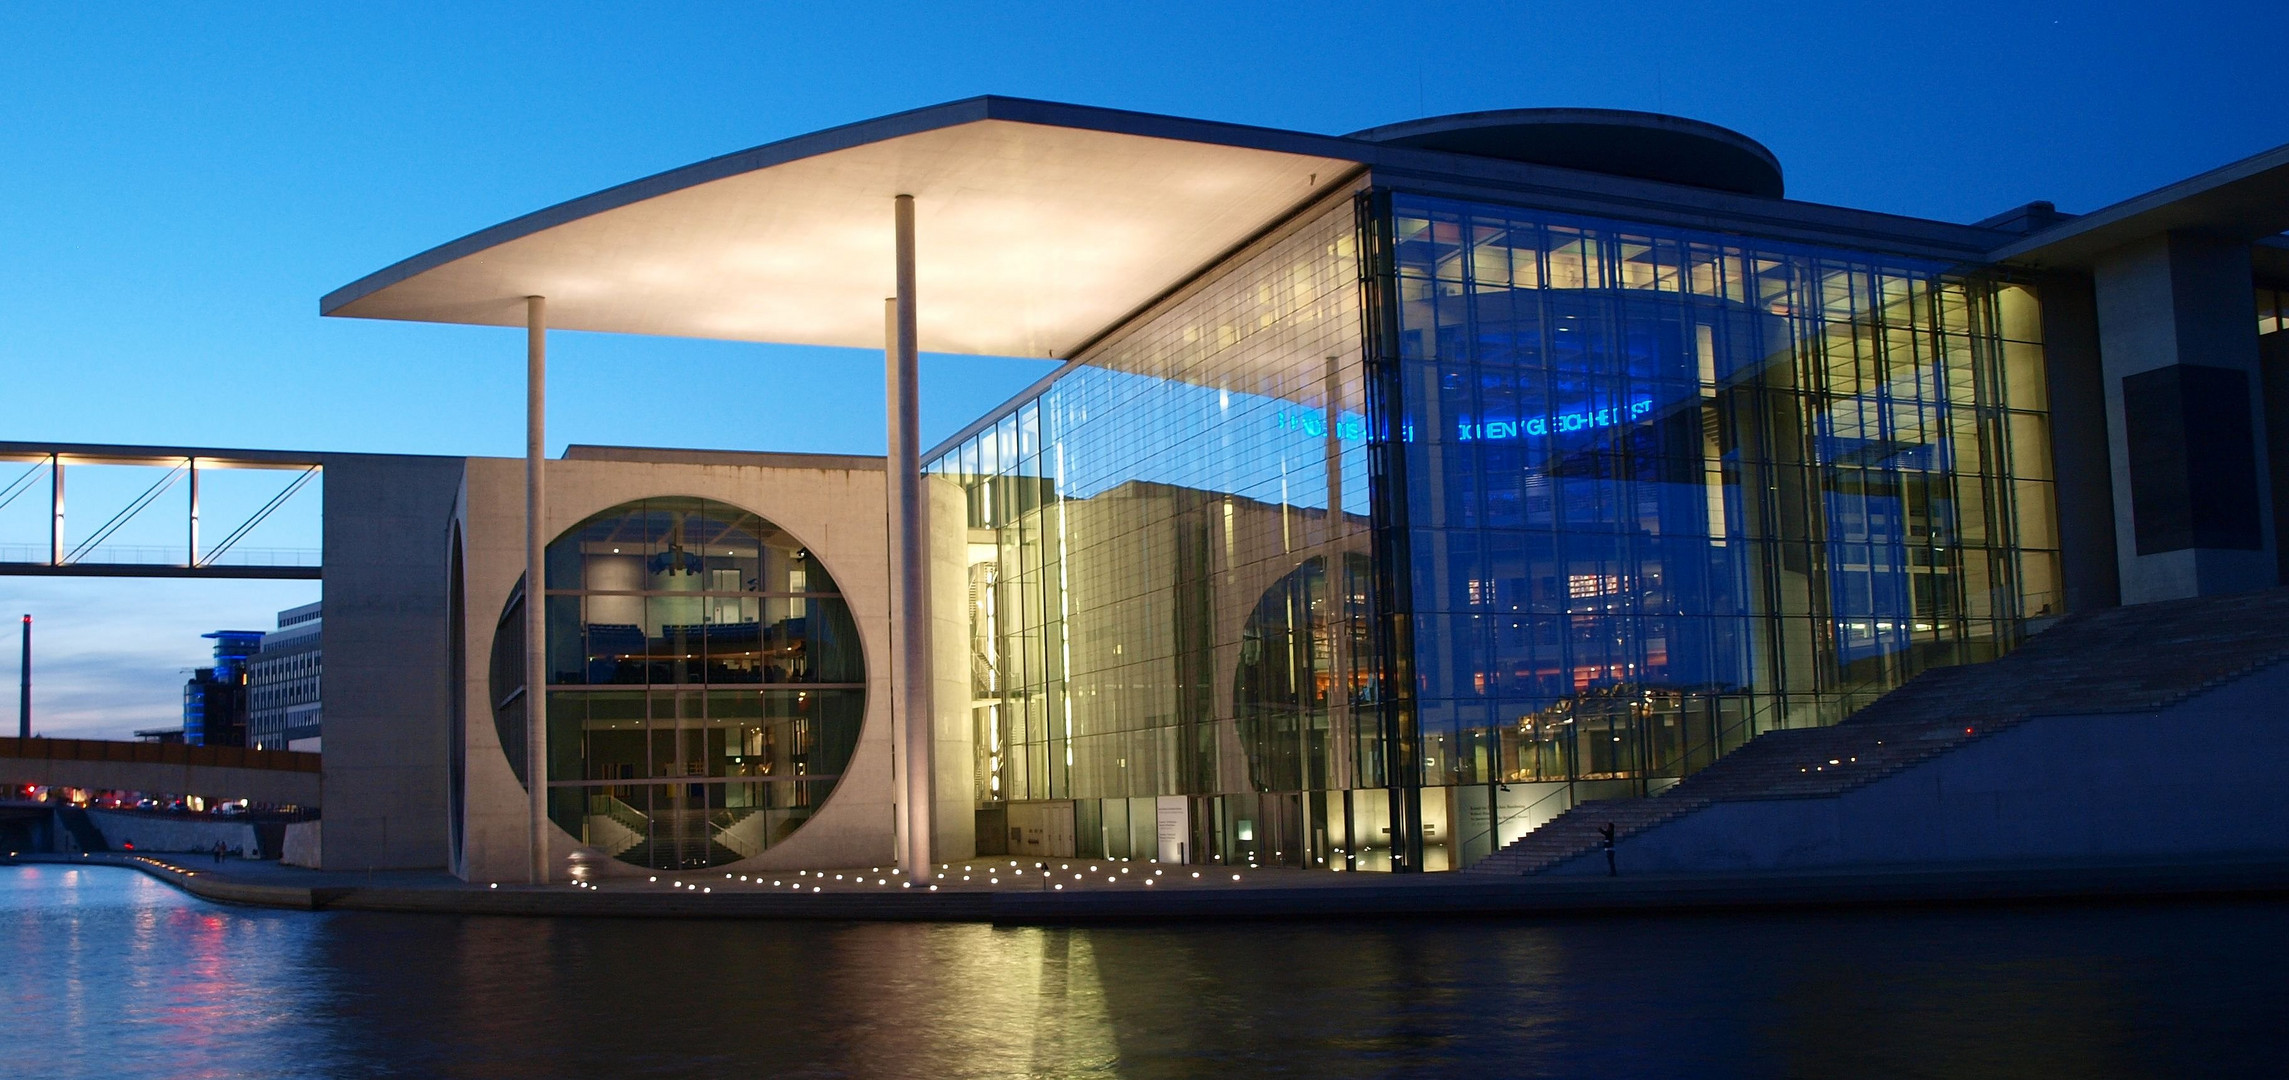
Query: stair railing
pixel 611 807
pixel 1497 821
pixel 727 834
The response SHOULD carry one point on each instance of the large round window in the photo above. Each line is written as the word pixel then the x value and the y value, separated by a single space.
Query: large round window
pixel 705 683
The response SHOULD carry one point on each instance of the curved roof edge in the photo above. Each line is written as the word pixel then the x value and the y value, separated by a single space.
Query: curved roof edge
pixel 1047 222
pixel 843 137
pixel 1614 142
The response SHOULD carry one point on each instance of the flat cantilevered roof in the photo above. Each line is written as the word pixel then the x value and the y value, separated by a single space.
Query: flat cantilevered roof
pixel 1038 226
pixel 2247 200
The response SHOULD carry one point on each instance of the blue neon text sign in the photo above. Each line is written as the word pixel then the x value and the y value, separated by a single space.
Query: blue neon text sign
pixel 1582 420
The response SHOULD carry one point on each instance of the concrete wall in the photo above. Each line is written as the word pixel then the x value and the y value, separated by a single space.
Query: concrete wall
pixel 2199 779
pixel 954 787
pixel 385 679
pixel 152 832
pixel 2273 358
pixel 304 844
pixel 837 511
pixel 2083 475
pixel 2179 299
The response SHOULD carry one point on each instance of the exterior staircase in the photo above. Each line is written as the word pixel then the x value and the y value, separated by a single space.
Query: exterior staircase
pixel 2129 659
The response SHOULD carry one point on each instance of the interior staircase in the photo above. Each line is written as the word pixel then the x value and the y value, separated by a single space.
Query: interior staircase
pixel 680 840
pixel 2129 659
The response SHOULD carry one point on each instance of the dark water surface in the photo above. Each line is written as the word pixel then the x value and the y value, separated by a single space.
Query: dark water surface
pixel 109 973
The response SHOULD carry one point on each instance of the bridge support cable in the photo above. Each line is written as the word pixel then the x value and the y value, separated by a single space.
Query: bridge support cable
pixel 21 484
pixel 149 495
pixel 300 481
pixel 29 465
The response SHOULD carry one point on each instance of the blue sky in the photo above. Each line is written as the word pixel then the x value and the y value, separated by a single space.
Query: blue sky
pixel 179 184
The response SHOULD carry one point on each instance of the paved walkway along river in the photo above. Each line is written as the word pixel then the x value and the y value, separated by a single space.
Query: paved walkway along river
pixel 1071 891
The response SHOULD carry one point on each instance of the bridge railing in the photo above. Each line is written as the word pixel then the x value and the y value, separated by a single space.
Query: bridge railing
pixel 221 757
pixel 148 555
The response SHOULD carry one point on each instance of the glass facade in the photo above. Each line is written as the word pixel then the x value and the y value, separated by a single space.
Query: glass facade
pixel 706 685
pixel 1418 521
pixel 1664 491
pixel 1168 554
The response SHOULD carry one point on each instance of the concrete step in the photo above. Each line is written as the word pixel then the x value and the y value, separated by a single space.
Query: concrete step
pixel 2132 659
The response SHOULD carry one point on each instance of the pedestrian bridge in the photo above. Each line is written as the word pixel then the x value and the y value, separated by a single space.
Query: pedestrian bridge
pixel 278 777
pixel 129 480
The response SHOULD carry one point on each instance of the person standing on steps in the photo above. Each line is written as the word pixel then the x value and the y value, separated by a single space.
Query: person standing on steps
pixel 1606 831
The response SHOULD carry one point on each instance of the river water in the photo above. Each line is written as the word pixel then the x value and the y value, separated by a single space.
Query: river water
pixel 109 973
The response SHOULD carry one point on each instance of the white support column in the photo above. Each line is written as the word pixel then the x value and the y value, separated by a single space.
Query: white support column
pixel 191 546
pixel 909 525
pixel 536 586
pixel 56 507
pixel 900 768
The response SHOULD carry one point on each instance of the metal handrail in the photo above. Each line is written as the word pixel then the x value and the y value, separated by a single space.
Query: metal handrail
pixel 1495 822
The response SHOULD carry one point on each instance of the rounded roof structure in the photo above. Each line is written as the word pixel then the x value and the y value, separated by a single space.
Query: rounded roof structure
pixel 1617 142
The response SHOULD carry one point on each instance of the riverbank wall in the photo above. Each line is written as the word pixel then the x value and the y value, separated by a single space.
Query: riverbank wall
pixel 1281 895
pixel 125 831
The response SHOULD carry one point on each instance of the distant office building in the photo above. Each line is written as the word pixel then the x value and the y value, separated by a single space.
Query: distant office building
pixel 215 699
pixel 283 709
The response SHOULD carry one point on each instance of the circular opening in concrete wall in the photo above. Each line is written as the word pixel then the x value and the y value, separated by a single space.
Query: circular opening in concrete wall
pixel 705 683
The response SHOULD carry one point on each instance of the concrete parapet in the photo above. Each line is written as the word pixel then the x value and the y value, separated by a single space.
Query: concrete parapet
pixel 302 844
pixel 125 831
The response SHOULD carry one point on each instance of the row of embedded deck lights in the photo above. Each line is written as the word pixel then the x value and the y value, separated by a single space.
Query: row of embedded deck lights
pixel 145 860
pixel 816 880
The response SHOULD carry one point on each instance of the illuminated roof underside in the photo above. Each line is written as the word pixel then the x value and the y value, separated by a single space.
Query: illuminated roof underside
pixel 1031 238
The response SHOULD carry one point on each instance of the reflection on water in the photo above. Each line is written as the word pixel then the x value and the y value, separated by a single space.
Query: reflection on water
pixel 111 973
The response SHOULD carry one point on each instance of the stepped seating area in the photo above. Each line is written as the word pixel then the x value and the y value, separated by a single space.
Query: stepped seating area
pixel 2129 659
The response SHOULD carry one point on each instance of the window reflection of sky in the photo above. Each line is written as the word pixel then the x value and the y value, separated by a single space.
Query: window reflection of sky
pixel 1109 428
